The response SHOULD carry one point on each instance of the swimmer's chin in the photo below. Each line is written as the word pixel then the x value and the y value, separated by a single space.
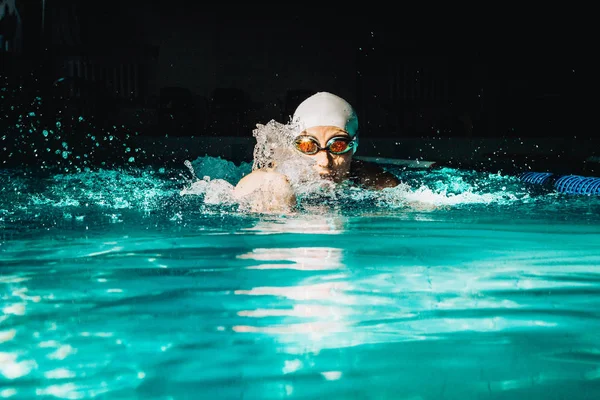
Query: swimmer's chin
pixel 331 177
pixel 327 175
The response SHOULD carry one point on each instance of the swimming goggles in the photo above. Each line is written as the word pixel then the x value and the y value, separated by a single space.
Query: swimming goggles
pixel 336 145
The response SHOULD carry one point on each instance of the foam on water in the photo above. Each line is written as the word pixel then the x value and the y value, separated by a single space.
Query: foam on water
pixel 425 190
pixel 208 188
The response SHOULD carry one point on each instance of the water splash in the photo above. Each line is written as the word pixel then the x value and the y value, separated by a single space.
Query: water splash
pixel 218 179
pixel 89 197
pixel 41 128
pixel 217 168
pixel 217 191
pixel 422 189
pixel 215 178
pixel 274 149
pixel 273 144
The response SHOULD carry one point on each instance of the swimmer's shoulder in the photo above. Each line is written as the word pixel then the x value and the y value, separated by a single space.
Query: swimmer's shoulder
pixel 265 191
pixel 257 179
pixel 372 175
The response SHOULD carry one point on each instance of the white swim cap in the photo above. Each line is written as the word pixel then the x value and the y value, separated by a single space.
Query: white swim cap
pixel 326 109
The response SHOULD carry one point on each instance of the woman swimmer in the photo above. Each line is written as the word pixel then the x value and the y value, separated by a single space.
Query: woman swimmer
pixel 328 135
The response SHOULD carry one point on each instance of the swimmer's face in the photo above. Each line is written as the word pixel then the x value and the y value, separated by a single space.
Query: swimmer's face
pixel 335 167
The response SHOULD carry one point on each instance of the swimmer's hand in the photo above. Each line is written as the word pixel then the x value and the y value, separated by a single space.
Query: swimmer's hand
pixel 265 191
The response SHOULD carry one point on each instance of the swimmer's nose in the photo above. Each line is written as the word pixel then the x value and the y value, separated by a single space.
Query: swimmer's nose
pixel 323 159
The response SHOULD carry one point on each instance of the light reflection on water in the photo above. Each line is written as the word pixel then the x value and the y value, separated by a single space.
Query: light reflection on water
pixel 174 299
pixel 272 313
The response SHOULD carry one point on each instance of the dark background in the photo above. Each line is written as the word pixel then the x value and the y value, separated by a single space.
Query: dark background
pixel 188 69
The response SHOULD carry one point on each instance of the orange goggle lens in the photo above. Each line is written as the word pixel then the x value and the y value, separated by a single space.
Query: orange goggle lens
pixel 338 146
pixel 309 145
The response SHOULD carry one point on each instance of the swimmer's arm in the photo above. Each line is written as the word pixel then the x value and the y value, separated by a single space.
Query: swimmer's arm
pixel 375 177
pixel 385 179
pixel 265 191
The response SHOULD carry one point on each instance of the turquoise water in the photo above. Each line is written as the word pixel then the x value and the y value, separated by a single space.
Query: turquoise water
pixel 126 284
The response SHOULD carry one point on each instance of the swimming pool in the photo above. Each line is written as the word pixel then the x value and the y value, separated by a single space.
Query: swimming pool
pixel 115 285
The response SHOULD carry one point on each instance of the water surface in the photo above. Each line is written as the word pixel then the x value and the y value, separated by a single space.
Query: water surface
pixel 114 284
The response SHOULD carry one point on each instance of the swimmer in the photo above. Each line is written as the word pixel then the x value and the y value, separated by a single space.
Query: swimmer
pixel 328 136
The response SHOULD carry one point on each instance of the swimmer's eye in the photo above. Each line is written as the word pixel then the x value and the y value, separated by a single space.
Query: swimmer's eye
pixel 307 145
pixel 339 145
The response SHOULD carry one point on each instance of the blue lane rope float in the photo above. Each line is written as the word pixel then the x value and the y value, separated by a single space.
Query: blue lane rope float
pixel 570 184
pixel 539 178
